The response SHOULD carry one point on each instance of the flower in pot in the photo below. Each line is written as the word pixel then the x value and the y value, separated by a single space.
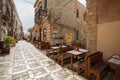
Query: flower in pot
pixel 7 41
pixel 76 43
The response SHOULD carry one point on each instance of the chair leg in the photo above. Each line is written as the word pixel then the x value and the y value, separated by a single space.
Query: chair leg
pixel 61 62
pixel 89 75
pixel 97 76
pixel 78 70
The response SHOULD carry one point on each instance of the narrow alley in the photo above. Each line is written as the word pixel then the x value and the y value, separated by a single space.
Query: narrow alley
pixel 59 40
pixel 25 62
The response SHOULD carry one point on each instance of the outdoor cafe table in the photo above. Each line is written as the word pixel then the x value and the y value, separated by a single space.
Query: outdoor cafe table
pixel 114 62
pixel 75 53
pixel 57 47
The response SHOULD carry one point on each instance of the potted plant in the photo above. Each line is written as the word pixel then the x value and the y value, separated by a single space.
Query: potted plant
pixel 7 41
pixel 76 43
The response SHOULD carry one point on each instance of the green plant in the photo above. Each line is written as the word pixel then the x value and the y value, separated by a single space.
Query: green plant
pixel 76 42
pixel 7 40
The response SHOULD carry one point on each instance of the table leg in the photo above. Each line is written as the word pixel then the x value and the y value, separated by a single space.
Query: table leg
pixel 117 73
pixel 53 53
pixel 71 62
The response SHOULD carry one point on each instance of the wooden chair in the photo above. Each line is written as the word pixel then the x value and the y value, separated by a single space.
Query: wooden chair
pixel 82 67
pixel 92 64
pixel 62 56
pixel 43 45
pixel 96 65
pixel 35 43
pixel 50 52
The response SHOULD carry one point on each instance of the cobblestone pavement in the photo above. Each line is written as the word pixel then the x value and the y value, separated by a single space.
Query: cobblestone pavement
pixel 25 62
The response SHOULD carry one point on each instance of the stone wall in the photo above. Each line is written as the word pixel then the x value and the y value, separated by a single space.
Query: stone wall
pixel 103 26
pixel 91 28
pixel 108 11
pixel 66 14
pixel 62 18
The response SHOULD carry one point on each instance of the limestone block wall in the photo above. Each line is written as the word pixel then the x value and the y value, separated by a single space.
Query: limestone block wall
pixel 91 28
pixel 62 17
pixel 66 14
pixel 61 31
pixel 46 25
pixel 102 30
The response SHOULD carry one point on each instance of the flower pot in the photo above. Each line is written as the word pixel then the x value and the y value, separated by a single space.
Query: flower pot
pixel 6 50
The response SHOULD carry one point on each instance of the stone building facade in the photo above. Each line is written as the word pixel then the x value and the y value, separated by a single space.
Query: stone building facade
pixel 63 17
pixel 17 25
pixel 103 26
pixel 9 19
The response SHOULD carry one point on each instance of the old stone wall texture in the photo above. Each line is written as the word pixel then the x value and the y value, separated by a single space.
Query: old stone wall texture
pixel 66 14
pixel 103 26
pixel 108 10
pixel 62 17
pixel 91 28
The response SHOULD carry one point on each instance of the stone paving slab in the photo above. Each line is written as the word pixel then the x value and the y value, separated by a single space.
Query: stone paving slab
pixel 25 62
pixel 46 77
pixel 18 62
pixel 21 76
pixel 39 71
pixel 19 68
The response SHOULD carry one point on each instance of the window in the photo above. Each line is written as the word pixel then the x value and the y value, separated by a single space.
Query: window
pixel 84 16
pixel 77 13
pixel 77 35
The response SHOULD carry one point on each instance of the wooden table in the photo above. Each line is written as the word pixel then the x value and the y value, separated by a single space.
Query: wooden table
pixel 116 56
pixel 114 62
pixel 75 53
pixel 57 47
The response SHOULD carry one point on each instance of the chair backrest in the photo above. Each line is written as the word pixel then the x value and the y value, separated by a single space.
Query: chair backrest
pixel 65 49
pixel 48 45
pixel 94 59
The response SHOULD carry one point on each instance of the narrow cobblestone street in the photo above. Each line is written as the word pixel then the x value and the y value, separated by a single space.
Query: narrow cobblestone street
pixel 25 62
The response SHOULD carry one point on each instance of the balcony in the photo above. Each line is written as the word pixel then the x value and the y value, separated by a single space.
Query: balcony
pixel 40 15
pixel 6 17
pixel 6 14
